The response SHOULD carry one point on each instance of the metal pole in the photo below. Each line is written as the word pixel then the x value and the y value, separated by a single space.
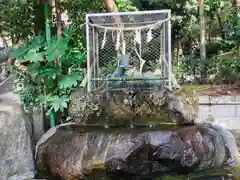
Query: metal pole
pixel 93 56
pixel 97 57
pixel 88 55
pixel 169 52
pixel 47 23
pixel 164 68
pixel 48 38
pixel 129 13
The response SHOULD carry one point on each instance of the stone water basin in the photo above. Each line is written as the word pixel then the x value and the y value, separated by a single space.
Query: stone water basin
pixel 74 152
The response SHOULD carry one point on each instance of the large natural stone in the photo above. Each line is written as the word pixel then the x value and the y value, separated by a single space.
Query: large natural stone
pixel 16 157
pixel 125 106
pixel 4 54
pixel 71 151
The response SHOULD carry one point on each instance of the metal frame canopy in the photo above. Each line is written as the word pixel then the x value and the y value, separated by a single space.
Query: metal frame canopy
pixel 129 21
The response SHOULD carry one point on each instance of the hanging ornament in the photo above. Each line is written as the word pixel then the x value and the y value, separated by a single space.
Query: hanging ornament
pixel 149 36
pixel 118 40
pixel 123 47
pixel 104 38
pixel 138 36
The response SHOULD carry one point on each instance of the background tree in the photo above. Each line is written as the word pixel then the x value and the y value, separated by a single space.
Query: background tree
pixel 202 33
pixel 21 20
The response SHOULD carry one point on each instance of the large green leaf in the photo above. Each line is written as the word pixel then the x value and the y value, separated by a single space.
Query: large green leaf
pixel 44 100
pixel 34 56
pixel 51 72
pixel 57 50
pixel 59 103
pixel 74 57
pixel 18 52
pixel 34 68
pixel 81 58
pixel 68 32
pixel 69 81
pixel 36 43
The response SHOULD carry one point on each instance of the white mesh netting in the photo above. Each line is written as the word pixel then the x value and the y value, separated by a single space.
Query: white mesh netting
pixel 128 47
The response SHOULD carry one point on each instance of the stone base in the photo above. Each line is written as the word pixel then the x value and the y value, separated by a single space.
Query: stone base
pixel 124 106
pixel 16 153
pixel 73 152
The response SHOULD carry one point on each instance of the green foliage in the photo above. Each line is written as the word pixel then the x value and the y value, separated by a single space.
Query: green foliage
pixel 225 66
pixel 78 9
pixel 17 18
pixel 190 65
pixel 22 20
pixel 46 82
pixel 228 68
pixel 125 5
pixel 69 81
pixel 232 26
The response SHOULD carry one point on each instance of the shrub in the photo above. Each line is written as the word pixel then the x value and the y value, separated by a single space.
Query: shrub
pixel 52 72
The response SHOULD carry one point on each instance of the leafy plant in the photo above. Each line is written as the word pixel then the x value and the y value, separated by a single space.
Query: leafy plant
pixel 190 65
pixel 21 19
pixel 48 82
pixel 229 67
pixel 125 5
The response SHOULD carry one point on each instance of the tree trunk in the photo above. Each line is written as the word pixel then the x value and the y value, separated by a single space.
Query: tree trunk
pixel 58 19
pixel 39 20
pixel 236 5
pixel 179 50
pixel 202 34
pixel 202 30
pixel 209 31
pixel 110 5
pixel 221 26
pixel 58 24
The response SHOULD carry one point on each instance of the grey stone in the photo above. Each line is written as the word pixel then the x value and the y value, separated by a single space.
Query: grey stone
pixel 4 54
pixel 137 106
pixel 72 151
pixel 16 156
pixel 38 122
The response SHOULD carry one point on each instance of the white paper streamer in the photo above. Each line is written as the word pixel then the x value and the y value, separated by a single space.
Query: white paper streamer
pixel 149 35
pixel 138 36
pixel 104 39
pixel 118 40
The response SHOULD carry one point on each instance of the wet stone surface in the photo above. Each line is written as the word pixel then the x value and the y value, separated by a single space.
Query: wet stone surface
pixel 134 107
pixel 71 151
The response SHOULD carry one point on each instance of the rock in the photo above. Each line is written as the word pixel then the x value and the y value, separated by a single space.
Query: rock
pixel 71 151
pixel 16 157
pixel 38 123
pixel 183 106
pixel 126 106
pixel 4 54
